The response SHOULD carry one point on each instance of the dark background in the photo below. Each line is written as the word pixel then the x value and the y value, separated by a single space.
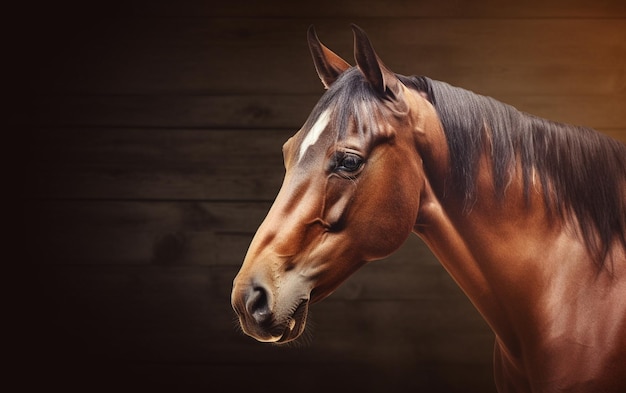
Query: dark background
pixel 149 152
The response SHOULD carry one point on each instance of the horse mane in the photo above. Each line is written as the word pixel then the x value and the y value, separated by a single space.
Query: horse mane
pixel 582 172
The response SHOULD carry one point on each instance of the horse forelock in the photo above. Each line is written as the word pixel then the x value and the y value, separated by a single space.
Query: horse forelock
pixel 353 106
pixel 582 172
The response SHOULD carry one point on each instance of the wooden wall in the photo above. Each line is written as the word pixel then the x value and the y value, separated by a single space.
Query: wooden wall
pixel 152 135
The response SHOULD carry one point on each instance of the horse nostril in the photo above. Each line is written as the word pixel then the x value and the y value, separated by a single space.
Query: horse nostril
pixel 257 305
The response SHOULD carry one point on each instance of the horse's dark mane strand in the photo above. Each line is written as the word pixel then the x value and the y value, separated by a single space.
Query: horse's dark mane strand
pixel 582 172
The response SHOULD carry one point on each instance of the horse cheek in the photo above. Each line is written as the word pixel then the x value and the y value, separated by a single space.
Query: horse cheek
pixel 390 220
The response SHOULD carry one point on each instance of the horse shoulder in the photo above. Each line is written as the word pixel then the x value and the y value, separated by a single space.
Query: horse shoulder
pixel 581 341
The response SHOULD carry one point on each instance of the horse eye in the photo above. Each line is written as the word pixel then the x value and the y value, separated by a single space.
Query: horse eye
pixel 349 163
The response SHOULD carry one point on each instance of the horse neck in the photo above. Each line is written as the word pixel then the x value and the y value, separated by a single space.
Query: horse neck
pixel 509 255
pixel 448 233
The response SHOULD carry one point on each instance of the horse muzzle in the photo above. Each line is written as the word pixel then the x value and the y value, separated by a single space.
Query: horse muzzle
pixel 265 319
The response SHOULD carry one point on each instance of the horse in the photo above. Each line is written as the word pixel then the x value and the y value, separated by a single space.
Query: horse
pixel 527 215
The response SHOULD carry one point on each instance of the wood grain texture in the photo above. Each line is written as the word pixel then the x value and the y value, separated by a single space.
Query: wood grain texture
pixel 389 9
pixel 214 56
pixel 277 112
pixel 158 164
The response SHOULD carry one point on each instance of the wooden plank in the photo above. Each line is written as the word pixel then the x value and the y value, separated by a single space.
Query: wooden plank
pixel 143 290
pixel 177 233
pixel 200 56
pixel 179 111
pixel 285 112
pixel 351 9
pixel 216 235
pixel 157 164
pixel 143 233
pixel 188 307
pixel 196 287
pixel 174 164
pixel 334 373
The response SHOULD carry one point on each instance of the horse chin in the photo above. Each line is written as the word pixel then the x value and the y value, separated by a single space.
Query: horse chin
pixel 295 324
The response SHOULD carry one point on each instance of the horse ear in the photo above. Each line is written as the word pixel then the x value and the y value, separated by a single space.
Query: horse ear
pixel 328 65
pixel 377 74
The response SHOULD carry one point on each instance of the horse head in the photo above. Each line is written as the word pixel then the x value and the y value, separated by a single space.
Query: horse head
pixel 350 195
